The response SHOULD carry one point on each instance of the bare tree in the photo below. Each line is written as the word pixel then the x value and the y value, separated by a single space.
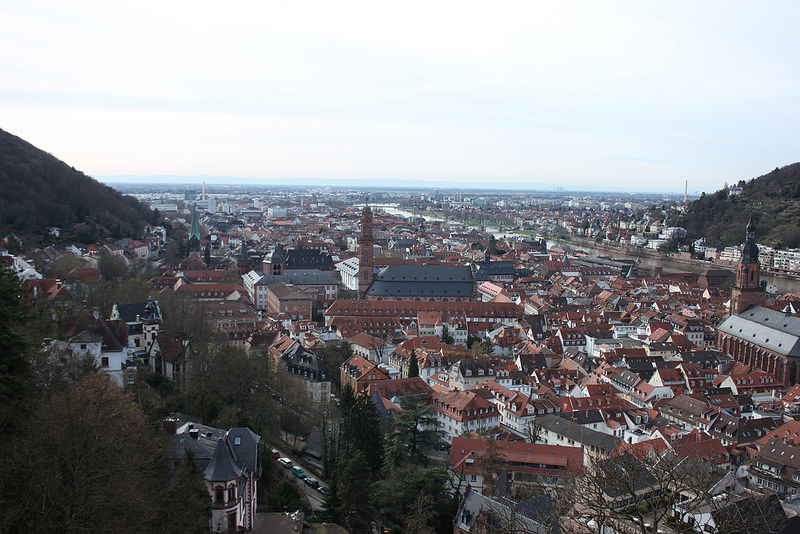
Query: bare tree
pixel 378 345
pixel 534 431
pixel 640 489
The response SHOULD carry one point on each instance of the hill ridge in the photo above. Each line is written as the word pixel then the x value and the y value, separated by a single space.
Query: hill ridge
pixel 40 192
pixel 773 199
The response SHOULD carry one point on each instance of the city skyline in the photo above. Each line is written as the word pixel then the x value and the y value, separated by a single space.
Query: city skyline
pixel 619 96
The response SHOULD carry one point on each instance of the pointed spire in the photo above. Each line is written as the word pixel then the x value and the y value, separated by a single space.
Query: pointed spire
pixel 195 231
pixel 750 248
pixel 750 229
pixel 222 467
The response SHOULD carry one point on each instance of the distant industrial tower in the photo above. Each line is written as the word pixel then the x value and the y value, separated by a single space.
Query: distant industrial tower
pixel 365 247
pixel 747 290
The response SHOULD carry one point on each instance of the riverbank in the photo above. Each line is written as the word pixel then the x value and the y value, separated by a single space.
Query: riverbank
pixel 784 283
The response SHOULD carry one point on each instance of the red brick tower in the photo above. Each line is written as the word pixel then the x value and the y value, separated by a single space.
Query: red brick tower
pixel 747 290
pixel 365 248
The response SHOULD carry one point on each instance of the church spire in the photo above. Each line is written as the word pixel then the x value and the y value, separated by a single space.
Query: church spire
pixel 747 290
pixel 194 233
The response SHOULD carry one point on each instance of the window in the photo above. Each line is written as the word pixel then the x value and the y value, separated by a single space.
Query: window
pixel 104 361
pixel 231 494
pixel 219 495
pixel 237 440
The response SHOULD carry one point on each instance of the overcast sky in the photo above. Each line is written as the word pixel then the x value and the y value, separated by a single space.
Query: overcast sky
pixel 618 95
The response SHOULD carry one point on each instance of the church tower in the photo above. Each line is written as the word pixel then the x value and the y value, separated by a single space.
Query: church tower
pixel 365 249
pixel 243 262
pixel 194 233
pixel 747 290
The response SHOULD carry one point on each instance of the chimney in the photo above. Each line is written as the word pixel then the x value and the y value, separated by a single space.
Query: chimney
pixel 169 426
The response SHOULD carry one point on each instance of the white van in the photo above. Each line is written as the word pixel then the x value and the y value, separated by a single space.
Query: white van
pixel 285 462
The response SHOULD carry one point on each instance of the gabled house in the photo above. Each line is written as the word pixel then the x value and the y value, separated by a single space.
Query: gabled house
pixel 359 374
pixel 229 461
pixel 525 464
pixel 469 372
pixel 305 364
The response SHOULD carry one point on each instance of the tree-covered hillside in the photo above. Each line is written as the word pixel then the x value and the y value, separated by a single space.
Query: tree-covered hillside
pixel 40 191
pixel 774 200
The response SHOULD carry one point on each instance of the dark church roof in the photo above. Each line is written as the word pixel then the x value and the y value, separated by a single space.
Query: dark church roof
pixel 423 281
pixel 300 277
pixel 308 258
pixel 485 269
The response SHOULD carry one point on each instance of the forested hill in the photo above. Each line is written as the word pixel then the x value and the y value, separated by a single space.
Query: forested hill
pixel 39 191
pixel 775 203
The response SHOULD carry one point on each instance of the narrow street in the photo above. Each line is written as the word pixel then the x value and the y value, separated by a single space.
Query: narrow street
pixel 314 497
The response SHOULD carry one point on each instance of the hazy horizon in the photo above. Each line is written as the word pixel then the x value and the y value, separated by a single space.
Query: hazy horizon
pixel 617 95
pixel 370 184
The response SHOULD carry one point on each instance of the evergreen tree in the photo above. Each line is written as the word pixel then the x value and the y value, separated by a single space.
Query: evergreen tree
pixel 190 509
pixel 285 496
pixel 15 369
pixel 355 509
pixel 416 430
pixel 360 428
pixel 207 255
pixel 413 365
pixel 447 337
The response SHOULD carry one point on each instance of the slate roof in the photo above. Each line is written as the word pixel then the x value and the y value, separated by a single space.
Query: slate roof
pixel 423 281
pixel 301 361
pixel 300 277
pixel 129 312
pixel 277 255
pixel 308 258
pixel 222 466
pixel 475 504
pixel 583 417
pixel 578 433
pixel 769 329
pixel 485 269
pixel 246 450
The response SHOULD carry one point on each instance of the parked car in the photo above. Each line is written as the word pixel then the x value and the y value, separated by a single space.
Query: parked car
pixel 276 453
pixel 311 481
pixel 298 472
pixel 324 490
pixel 285 462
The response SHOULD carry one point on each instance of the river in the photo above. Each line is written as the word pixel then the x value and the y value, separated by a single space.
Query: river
pixel 782 285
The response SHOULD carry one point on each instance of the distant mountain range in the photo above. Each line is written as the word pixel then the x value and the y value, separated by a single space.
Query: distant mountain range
pixel 39 192
pixel 773 199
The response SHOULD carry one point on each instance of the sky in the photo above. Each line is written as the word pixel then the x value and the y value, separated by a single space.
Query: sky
pixel 622 96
